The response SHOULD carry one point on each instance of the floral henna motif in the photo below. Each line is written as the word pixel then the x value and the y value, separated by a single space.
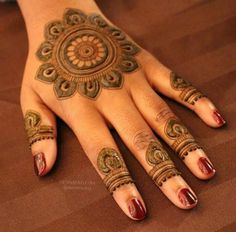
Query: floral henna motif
pixel 111 164
pixel 84 53
pixel 36 131
pixel 188 93
pixel 183 141
pixel 163 167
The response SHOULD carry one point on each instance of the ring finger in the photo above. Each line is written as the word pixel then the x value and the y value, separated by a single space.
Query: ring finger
pixel 139 138
pixel 166 124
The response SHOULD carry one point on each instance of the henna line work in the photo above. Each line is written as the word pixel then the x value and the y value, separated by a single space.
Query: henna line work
pixel 183 142
pixel 188 93
pixel 163 167
pixel 84 53
pixel 111 164
pixel 35 131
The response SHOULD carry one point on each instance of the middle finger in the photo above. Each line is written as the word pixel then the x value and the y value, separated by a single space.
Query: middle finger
pixel 139 138
pixel 166 124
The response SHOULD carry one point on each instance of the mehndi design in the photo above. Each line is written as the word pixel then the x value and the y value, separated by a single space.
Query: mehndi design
pixel 36 131
pixel 183 142
pixel 111 164
pixel 188 93
pixel 163 167
pixel 84 53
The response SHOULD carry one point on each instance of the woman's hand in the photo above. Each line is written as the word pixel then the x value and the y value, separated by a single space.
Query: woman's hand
pixel 88 72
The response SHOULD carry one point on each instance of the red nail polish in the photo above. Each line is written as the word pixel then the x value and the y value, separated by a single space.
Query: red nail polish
pixel 186 197
pixel 218 118
pixel 39 164
pixel 136 209
pixel 205 166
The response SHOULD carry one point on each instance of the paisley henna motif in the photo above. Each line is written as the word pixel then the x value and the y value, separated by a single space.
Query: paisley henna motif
pixel 86 53
pixel 188 93
pixel 183 142
pixel 163 167
pixel 36 131
pixel 111 164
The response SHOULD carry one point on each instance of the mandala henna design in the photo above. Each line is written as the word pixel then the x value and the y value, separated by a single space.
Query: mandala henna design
pixel 36 131
pixel 84 53
pixel 111 164
pixel 188 93
pixel 183 141
pixel 163 167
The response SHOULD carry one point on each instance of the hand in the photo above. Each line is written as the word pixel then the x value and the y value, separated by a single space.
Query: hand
pixel 88 72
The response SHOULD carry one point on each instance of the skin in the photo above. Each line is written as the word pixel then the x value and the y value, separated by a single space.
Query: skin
pixel 135 110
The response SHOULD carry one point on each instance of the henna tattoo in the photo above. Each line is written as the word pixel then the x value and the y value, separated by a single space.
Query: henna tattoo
pixel 36 131
pixel 84 53
pixel 111 164
pixel 188 93
pixel 163 167
pixel 183 140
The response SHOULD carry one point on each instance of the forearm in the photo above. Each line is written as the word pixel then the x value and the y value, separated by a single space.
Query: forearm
pixel 37 13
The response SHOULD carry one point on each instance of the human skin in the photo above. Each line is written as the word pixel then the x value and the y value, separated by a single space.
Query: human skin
pixel 134 110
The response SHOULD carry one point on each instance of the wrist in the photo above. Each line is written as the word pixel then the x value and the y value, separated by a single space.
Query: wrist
pixel 38 13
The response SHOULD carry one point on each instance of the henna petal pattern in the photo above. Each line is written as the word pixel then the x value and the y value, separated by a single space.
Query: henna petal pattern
pixel 89 89
pixel 129 48
pixel 112 80
pixel 64 88
pixel 128 64
pixel 46 73
pixel 87 53
pixel 53 30
pixel 44 52
pixel 97 20
pixel 74 16
pixel 116 33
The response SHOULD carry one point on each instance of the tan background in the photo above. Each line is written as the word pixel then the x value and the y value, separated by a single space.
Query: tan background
pixel 196 38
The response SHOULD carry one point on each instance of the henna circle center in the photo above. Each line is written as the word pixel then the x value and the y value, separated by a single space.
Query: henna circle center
pixel 83 52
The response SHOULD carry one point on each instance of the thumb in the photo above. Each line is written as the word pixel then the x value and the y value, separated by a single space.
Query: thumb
pixel 40 125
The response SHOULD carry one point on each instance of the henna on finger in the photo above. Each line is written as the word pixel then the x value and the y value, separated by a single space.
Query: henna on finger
pixel 35 131
pixel 163 167
pixel 111 164
pixel 183 141
pixel 84 53
pixel 188 93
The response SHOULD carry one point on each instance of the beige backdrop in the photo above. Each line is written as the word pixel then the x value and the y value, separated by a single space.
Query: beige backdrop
pixel 196 38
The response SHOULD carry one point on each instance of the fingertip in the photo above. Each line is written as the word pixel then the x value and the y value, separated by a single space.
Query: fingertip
pixel 44 156
pixel 208 112
pixel 187 198
pixel 130 201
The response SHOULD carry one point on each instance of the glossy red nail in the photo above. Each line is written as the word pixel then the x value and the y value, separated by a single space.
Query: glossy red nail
pixel 39 163
pixel 218 118
pixel 205 166
pixel 136 209
pixel 186 197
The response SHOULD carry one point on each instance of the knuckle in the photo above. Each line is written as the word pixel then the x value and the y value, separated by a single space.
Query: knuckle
pixel 163 115
pixel 142 138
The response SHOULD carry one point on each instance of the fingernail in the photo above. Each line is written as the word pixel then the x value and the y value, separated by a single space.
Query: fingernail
pixel 218 118
pixel 39 163
pixel 205 166
pixel 136 209
pixel 186 197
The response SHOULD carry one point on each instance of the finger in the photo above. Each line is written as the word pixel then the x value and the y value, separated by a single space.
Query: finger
pixel 139 138
pixel 166 124
pixel 172 85
pixel 40 126
pixel 100 147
